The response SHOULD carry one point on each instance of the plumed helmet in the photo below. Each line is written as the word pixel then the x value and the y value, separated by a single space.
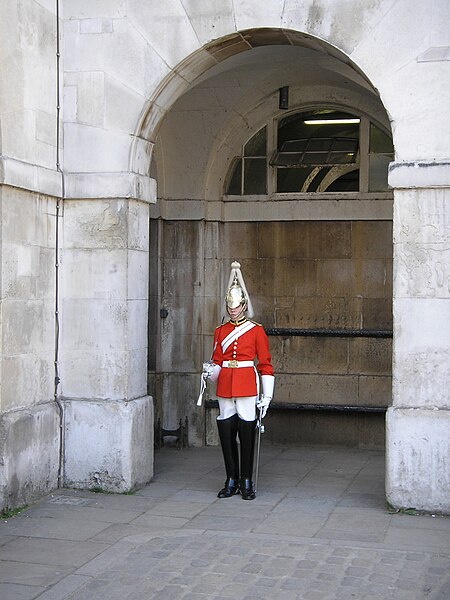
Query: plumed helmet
pixel 236 291
pixel 235 295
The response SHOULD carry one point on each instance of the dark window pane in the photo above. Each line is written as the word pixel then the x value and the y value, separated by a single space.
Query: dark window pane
pixel 286 159
pixel 378 172
pixel 349 182
pixel 295 145
pixel 315 158
pixel 257 145
pixel 234 182
pixel 294 127
pixel 291 180
pixel 255 176
pixel 341 158
pixel 379 141
pixel 345 145
pixel 319 144
pixel 317 180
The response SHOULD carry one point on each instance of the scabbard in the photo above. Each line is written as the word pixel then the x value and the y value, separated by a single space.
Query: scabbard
pixel 202 390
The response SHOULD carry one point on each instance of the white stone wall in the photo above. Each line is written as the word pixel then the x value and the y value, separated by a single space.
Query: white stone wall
pixel 125 65
pixel 418 424
pixel 29 418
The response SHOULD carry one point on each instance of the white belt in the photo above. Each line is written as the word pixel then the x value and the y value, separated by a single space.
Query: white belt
pixel 237 364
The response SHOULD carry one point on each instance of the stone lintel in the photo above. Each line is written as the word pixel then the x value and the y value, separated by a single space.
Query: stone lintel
pixel 110 185
pixel 35 178
pixel 39 179
pixel 419 174
pixel 293 209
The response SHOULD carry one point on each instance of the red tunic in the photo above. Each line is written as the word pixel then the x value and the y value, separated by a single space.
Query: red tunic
pixel 239 382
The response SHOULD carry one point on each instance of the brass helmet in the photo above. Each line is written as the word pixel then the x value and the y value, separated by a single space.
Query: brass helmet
pixel 237 294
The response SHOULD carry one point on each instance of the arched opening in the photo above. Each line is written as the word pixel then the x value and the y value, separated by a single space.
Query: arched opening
pixel 307 214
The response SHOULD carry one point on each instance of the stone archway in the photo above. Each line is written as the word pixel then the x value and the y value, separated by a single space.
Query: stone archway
pixel 200 232
pixel 401 479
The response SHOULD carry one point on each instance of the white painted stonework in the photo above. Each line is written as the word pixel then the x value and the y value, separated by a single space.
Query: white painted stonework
pixel 155 98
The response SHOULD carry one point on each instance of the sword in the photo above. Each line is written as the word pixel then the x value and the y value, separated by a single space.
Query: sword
pixel 261 430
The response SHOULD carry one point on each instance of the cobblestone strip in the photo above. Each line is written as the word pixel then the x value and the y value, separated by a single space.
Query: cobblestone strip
pixel 218 566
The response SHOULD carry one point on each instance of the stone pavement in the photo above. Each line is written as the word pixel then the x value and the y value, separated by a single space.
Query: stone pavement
pixel 319 529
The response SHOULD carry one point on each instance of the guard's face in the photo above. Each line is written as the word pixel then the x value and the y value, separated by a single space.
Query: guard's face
pixel 235 313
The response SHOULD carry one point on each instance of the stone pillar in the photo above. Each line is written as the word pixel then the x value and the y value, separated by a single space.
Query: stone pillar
pixel 29 418
pixel 104 306
pixel 418 423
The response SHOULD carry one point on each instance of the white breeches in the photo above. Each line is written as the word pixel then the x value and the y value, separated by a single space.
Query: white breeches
pixel 245 408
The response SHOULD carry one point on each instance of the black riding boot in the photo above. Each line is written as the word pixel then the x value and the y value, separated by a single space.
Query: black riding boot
pixel 247 435
pixel 227 434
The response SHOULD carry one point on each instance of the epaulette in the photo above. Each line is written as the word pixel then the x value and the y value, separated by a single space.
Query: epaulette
pixel 259 324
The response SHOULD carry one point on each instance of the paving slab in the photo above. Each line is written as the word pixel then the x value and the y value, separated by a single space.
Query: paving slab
pixel 13 591
pixel 319 529
pixel 51 552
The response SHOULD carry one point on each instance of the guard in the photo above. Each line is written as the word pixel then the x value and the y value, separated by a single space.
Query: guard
pixel 236 345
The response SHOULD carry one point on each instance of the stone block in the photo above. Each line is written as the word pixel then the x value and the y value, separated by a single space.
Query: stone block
pixel 27 218
pixel 330 239
pixel 27 379
pixel 46 128
pixel 99 373
pixel 375 390
pixel 418 461
pixel 181 279
pixel 248 15
pixel 239 241
pixel 142 149
pixel 320 313
pixel 136 321
pixel 137 366
pixel 96 323
pixel 28 326
pixel 287 278
pixel 370 356
pixel 28 272
pixel 116 438
pixel 29 445
pixel 99 274
pixel 421 352
pixel 423 270
pixel 115 9
pixel 96 224
pixel 336 278
pixel 377 313
pixel 137 276
pixel 26 148
pixel 373 278
pixel 98 25
pixel 181 240
pixel 175 38
pixel 316 389
pixel 283 240
pixel 310 354
pixel 372 239
pixel 103 150
pixel 91 96
pixel 216 21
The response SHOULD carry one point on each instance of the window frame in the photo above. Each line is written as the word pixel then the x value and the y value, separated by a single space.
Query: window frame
pixel 271 171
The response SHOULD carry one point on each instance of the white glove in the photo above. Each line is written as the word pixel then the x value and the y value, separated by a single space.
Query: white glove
pixel 210 371
pixel 268 382
pixel 263 405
